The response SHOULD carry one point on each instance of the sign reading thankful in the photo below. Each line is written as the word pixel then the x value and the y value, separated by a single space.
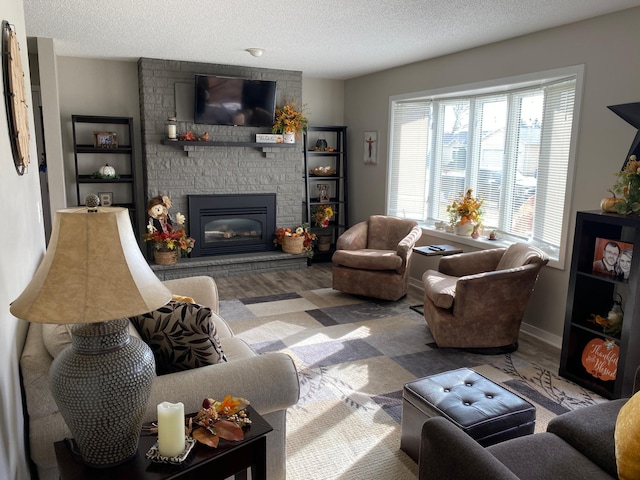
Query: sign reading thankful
pixel 600 358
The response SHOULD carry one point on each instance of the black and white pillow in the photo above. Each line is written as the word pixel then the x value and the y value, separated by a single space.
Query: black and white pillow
pixel 181 335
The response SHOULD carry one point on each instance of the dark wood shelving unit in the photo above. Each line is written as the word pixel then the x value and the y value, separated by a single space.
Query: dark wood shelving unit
pixel 336 137
pixel 127 187
pixel 592 294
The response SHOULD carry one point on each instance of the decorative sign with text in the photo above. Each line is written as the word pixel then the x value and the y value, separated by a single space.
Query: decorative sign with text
pixel 600 358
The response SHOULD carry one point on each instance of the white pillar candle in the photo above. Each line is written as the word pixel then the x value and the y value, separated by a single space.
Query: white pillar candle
pixel 171 437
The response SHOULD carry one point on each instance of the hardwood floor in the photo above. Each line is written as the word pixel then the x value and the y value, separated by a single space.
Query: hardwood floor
pixel 318 275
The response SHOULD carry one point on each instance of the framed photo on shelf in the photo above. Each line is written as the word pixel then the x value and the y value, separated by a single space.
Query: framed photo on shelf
pixel 106 199
pixel 105 139
pixel 612 258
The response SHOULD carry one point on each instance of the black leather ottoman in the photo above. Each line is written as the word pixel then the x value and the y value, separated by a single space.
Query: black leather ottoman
pixel 484 410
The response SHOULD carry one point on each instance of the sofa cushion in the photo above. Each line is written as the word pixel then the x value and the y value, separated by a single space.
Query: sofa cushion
pixel 181 335
pixel 590 431
pixel 368 259
pixel 627 440
pixel 439 288
pixel 57 337
pixel 545 456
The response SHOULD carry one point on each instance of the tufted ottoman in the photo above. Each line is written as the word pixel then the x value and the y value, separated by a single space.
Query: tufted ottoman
pixel 484 410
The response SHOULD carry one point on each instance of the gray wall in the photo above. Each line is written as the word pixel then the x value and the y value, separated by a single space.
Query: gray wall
pixel 606 45
pixel 22 218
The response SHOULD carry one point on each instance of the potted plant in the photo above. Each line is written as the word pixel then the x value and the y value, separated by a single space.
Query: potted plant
pixel 628 185
pixel 298 240
pixel 322 215
pixel 169 242
pixel 290 121
pixel 465 213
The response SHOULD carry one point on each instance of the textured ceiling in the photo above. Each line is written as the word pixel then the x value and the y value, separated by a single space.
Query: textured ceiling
pixel 325 39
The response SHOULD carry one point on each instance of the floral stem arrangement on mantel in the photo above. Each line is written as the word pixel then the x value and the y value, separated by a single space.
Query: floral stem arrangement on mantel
pixel 296 241
pixel 465 213
pixel 290 120
pixel 169 242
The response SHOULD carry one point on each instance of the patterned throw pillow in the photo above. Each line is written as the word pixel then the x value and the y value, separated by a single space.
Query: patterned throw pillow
pixel 181 335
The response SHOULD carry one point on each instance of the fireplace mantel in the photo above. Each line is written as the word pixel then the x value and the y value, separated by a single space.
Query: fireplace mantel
pixel 186 144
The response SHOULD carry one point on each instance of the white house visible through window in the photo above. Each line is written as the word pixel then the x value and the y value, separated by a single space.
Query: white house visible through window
pixel 512 142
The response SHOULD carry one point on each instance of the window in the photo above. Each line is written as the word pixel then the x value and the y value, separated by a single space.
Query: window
pixel 511 141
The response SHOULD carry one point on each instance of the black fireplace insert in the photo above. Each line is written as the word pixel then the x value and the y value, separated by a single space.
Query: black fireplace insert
pixel 228 224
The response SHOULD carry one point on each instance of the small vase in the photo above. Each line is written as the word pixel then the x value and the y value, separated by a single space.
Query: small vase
pixel 463 229
pixel 289 137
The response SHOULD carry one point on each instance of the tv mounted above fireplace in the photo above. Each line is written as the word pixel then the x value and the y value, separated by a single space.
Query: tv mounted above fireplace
pixel 234 101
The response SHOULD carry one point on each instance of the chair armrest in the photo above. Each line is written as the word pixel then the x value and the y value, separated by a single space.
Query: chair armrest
pixel 354 238
pixel 446 452
pixel 268 381
pixel 470 263
pixel 405 247
pixel 201 288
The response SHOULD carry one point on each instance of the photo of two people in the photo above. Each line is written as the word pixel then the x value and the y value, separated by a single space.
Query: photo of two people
pixel 612 258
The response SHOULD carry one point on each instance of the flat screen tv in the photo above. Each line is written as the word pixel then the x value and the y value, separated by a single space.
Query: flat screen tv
pixel 234 101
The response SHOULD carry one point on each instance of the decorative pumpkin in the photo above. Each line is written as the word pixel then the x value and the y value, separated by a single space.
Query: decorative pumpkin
pixel 107 171
pixel 600 358
pixel 609 204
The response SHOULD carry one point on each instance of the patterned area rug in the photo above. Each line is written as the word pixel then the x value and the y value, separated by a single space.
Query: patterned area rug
pixel 353 357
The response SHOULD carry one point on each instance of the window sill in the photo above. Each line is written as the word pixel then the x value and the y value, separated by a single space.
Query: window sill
pixel 483 242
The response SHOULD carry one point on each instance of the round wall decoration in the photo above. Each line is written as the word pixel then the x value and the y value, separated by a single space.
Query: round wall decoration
pixel 15 98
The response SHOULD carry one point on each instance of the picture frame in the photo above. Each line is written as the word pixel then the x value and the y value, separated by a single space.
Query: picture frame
pixel 612 258
pixel 106 199
pixel 323 192
pixel 370 148
pixel 105 140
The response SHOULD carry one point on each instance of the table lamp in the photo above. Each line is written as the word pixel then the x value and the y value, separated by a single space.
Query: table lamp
pixel 94 275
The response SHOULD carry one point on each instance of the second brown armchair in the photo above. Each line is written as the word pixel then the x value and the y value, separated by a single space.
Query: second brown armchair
pixel 372 257
pixel 477 300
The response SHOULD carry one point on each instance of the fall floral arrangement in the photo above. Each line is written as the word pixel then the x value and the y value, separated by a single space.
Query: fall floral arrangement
pixel 302 231
pixel 321 215
pixel 628 185
pixel 465 209
pixel 217 420
pixel 161 231
pixel 290 118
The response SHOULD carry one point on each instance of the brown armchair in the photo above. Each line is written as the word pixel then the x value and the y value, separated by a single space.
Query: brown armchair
pixel 477 300
pixel 372 257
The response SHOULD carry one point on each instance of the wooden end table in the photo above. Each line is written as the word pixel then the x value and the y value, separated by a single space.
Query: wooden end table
pixel 431 251
pixel 230 458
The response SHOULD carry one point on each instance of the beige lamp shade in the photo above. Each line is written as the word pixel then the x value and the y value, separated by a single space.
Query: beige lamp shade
pixel 93 271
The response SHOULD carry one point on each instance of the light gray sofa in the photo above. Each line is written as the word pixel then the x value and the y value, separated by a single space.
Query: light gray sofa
pixel 268 381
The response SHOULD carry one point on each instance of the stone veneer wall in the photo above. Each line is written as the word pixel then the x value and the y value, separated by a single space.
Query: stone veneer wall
pixel 216 170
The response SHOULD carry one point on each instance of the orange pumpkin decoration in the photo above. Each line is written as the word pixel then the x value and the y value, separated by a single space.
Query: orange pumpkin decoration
pixel 609 204
pixel 600 358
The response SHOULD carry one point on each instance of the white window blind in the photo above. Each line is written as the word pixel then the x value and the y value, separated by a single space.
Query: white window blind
pixel 408 171
pixel 510 144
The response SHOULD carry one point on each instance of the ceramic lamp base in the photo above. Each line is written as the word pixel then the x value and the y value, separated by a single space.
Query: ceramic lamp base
pixel 101 383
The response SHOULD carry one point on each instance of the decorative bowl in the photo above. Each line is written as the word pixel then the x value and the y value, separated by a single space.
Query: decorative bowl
pixel 323 171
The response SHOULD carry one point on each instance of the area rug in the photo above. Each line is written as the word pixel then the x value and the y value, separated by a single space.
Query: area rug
pixel 353 357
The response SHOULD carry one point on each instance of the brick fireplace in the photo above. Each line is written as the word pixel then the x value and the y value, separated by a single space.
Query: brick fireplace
pixel 166 89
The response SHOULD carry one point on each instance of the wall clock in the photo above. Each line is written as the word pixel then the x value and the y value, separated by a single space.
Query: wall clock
pixel 15 98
